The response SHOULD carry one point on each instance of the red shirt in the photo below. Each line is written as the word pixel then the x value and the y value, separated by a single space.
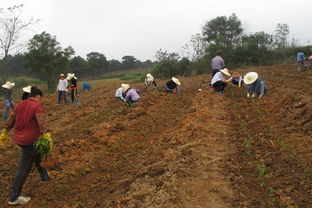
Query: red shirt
pixel 27 130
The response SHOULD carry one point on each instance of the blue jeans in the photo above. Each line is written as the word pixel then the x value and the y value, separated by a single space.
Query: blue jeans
pixel 7 105
pixel 29 155
pixel 60 95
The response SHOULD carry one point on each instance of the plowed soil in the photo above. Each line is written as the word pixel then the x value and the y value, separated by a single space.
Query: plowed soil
pixel 192 150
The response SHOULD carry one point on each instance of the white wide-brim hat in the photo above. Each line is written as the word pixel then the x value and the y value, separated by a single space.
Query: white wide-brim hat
pixel 8 85
pixel 225 71
pixel 70 76
pixel 149 77
pixel 250 77
pixel 175 80
pixel 125 87
pixel 27 89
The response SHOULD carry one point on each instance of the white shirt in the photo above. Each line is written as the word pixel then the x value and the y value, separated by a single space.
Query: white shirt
pixel 149 79
pixel 119 92
pixel 62 85
pixel 217 77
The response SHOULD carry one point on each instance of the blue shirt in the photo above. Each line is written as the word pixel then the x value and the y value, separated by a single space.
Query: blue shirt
pixel 86 85
pixel 257 87
pixel 300 57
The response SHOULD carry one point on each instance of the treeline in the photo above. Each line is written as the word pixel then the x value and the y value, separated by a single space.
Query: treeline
pixel 94 66
pixel 226 35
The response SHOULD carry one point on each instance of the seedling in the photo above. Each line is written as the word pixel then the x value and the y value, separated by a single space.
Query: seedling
pixel 262 169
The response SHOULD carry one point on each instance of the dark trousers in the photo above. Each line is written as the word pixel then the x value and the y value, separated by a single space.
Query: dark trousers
pixel 214 71
pixel 219 86
pixel 60 95
pixel 29 155
pixel 73 94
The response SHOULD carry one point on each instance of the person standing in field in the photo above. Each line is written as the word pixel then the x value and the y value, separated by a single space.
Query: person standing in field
pixel 300 61
pixel 148 80
pixel 255 85
pixel 73 86
pixel 26 93
pixel 120 94
pixel 218 81
pixel 172 84
pixel 7 99
pixel 217 63
pixel 62 89
pixel 29 122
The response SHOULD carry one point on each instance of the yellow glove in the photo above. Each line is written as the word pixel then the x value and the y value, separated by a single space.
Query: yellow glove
pixel 4 137
pixel 48 137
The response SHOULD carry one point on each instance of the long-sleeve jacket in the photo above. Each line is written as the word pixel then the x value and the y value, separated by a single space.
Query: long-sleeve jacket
pixel 171 85
pixel 132 94
pixel 300 57
pixel 217 63
pixel 119 93
pixel 62 85
pixel 257 87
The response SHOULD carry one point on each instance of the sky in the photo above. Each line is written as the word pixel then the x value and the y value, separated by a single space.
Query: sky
pixel 141 27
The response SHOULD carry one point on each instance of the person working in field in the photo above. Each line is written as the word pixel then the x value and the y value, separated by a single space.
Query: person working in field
pixel 218 81
pixel 26 93
pixel 120 95
pixel 73 87
pixel 148 80
pixel 62 89
pixel 236 79
pixel 300 61
pixel 217 63
pixel 7 99
pixel 255 85
pixel 132 95
pixel 28 120
pixel 86 86
pixel 172 84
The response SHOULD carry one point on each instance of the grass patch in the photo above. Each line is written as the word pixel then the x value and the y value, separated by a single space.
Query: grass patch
pixel 136 77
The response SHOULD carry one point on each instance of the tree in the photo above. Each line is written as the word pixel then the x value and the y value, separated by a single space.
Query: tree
pixel 196 48
pixel 47 58
pixel 12 26
pixel 129 62
pixel 78 65
pixel 223 31
pixel 98 64
pixel 281 35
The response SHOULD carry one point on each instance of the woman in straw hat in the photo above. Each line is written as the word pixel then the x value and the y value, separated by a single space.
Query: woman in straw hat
pixel 148 80
pixel 62 89
pixel 26 93
pixel 7 99
pixel 132 95
pixel 218 81
pixel 172 84
pixel 120 93
pixel 255 85
pixel 236 79
pixel 73 86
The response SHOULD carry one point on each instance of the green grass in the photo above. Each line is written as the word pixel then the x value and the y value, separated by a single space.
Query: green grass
pixel 136 77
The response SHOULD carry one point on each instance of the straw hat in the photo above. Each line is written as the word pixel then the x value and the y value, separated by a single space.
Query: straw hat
pixel 236 75
pixel 225 71
pixel 310 57
pixel 175 80
pixel 125 87
pixel 149 77
pixel 27 89
pixel 250 77
pixel 8 85
pixel 62 75
pixel 70 76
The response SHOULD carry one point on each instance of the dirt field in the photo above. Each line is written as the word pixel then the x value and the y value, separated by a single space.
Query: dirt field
pixel 193 150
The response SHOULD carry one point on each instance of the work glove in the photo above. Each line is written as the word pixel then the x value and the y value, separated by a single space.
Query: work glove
pixel 48 137
pixel 4 137
pixel 248 95
pixel 254 95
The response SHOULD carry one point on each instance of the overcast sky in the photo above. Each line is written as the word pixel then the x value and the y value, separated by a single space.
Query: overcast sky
pixel 141 27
